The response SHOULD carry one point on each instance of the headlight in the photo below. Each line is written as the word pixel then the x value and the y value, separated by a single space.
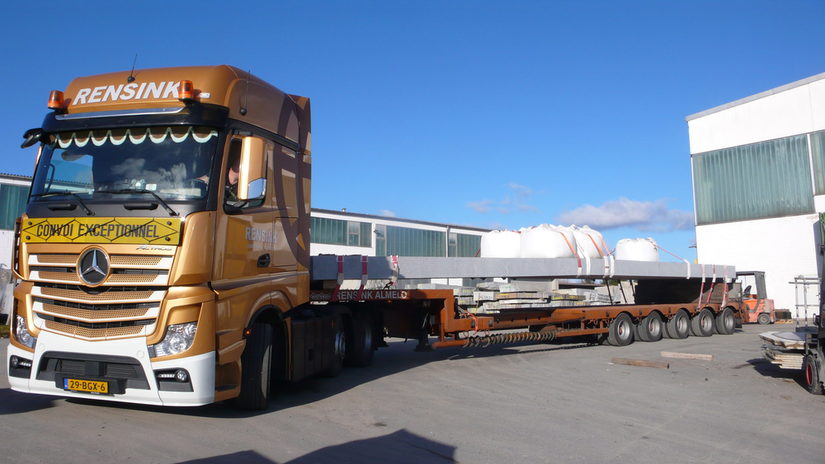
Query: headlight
pixel 21 333
pixel 179 338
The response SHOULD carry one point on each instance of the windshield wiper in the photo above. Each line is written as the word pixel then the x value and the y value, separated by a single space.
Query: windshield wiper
pixel 66 192
pixel 157 197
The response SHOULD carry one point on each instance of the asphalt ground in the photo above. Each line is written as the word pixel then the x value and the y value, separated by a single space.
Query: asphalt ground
pixel 529 403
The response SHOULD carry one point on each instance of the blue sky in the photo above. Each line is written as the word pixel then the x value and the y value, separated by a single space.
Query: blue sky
pixel 492 114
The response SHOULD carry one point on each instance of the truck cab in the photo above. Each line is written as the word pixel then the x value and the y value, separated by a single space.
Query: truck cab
pixel 168 215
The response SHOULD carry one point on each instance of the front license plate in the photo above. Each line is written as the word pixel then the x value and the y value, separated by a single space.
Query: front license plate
pixel 86 386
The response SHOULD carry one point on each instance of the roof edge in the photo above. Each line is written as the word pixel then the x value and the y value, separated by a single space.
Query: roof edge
pixel 767 93
pixel 397 219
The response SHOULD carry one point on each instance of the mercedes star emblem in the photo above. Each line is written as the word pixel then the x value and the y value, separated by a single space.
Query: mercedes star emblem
pixel 93 266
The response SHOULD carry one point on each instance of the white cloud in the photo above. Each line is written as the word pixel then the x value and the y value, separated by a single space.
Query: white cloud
pixel 517 199
pixel 643 215
pixel 387 213
pixel 482 206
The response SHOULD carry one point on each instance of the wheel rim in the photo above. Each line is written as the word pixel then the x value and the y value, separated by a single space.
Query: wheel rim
pixel 368 338
pixel 809 374
pixel 706 322
pixel 729 323
pixel 681 324
pixel 340 344
pixel 654 328
pixel 623 330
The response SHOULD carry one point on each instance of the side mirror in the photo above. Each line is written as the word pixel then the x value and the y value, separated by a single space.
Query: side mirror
pixel 31 137
pixel 252 169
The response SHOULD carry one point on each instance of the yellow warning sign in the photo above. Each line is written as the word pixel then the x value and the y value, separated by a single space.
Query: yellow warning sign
pixel 127 230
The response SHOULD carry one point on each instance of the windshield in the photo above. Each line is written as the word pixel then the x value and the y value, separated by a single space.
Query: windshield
pixel 172 162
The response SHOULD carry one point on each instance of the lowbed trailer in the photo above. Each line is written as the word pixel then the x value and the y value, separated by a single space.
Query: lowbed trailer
pixel 164 257
pixel 421 313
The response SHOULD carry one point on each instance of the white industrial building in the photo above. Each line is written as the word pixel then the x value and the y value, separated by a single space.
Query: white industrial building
pixel 759 181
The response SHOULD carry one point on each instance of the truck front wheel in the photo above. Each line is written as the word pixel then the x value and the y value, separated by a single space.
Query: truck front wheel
pixel 810 370
pixel 256 362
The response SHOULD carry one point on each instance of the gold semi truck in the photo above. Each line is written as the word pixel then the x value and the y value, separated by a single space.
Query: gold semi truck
pixel 163 257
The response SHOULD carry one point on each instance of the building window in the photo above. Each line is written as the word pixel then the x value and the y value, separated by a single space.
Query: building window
pixel 405 241
pixel 12 204
pixel 760 180
pixel 818 152
pixel 380 240
pixel 464 245
pixel 341 232
pixel 358 234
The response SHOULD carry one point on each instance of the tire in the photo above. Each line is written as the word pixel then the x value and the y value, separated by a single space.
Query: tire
pixel 650 328
pixel 361 340
pixel 701 324
pixel 810 374
pixel 256 362
pixel 763 318
pixel 621 331
pixel 679 325
pixel 725 323
pixel 339 347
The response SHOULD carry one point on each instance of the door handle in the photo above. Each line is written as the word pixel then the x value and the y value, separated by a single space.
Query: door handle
pixel 264 260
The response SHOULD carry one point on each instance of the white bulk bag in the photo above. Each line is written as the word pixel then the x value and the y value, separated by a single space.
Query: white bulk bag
pixel 590 243
pixel 501 244
pixel 637 249
pixel 548 241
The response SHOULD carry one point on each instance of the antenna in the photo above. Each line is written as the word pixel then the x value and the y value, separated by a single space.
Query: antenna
pixel 245 94
pixel 131 77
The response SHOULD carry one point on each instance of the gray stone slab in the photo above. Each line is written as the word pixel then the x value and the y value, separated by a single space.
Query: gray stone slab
pixel 325 267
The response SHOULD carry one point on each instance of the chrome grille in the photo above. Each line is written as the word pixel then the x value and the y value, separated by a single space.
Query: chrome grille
pixel 93 333
pixel 126 304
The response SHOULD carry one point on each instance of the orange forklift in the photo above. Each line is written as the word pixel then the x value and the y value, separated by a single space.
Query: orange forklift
pixel 756 307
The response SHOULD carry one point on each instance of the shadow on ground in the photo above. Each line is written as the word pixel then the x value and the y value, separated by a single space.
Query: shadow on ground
pixel 397 357
pixel 768 369
pixel 398 447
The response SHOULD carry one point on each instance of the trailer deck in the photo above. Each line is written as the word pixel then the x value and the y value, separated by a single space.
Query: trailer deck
pixel 332 267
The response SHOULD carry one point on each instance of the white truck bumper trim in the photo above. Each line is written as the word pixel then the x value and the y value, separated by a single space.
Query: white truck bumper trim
pixel 201 370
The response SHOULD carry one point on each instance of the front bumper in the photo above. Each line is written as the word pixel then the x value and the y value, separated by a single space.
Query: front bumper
pixel 201 369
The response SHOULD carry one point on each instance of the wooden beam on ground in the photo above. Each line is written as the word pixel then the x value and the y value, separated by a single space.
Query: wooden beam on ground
pixel 640 363
pixel 702 357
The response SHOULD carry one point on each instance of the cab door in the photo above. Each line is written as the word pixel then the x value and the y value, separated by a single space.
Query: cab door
pixel 245 230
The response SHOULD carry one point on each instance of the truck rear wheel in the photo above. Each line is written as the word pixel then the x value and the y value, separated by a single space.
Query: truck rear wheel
pixel 810 371
pixel 620 331
pixel 361 344
pixel 701 325
pixel 763 318
pixel 725 322
pixel 339 347
pixel 650 328
pixel 256 361
pixel 679 325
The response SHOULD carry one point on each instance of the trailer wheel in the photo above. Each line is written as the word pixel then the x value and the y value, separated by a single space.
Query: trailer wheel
pixel 763 318
pixel 810 370
pixel 620 331
pixel 679 325
pixel 701 325
pixel 362 342
pixel 256 362
pixel 339 347
pixel 650 328
pixel 725 322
